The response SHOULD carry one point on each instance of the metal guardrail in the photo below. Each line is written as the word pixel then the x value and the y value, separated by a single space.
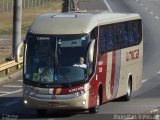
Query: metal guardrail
pixel 7 5
pixel 6 66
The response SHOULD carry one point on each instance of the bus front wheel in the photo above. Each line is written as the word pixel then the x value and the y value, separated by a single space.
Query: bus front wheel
pixel 96 108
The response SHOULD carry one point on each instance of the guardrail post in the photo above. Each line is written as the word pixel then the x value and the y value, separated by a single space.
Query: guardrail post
pixel 7 71
pixel 19 66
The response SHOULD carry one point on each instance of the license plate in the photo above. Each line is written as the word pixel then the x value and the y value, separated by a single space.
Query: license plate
pixel 52 104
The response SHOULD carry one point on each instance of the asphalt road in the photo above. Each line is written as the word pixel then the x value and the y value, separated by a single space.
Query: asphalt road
pixel 145 99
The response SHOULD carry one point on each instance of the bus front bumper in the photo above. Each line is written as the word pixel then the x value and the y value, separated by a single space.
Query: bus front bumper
pixel 58 102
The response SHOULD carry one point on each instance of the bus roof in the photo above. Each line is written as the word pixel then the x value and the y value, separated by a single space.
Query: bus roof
pixel 76 22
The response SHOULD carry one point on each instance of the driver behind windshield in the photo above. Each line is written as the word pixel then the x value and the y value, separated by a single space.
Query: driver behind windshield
pixel 81 63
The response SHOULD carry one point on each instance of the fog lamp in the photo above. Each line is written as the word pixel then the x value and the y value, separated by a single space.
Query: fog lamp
pixel 25 101
pixel 83 102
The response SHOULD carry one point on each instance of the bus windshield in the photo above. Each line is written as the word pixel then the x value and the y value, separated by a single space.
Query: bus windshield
pixel 51 59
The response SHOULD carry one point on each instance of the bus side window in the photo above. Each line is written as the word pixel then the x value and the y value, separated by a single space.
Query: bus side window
pixel 110 38
pixel 124 40
pixel 117 37
pixel 102 39
pixel 130 29
pixel 136 32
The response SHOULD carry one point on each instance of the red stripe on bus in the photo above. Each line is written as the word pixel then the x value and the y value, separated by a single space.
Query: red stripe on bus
pixel 113 71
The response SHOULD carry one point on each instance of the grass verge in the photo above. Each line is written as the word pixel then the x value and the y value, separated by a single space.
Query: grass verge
pixel 6 25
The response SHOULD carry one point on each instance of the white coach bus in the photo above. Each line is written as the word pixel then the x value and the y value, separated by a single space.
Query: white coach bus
pixel 109 45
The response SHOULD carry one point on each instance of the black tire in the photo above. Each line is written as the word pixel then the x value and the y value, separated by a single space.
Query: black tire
pixel 127 97
pixel 96 108
pixel 41 112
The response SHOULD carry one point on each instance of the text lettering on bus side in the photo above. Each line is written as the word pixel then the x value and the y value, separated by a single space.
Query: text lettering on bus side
pixel 131 55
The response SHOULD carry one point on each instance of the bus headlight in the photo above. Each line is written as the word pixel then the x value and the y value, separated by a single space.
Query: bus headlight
pixel 79 93
pixel 25 101
pixel 84 102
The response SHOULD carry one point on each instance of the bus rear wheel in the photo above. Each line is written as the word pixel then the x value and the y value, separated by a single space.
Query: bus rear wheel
pixel 96 108
pixel 127 97
pixel 41 112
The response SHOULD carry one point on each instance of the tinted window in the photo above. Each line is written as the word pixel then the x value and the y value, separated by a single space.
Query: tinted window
pixel 120 35
pixel 124 40
pixel 102 39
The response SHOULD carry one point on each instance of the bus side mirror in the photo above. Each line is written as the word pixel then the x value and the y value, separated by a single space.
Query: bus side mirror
pixel 18 52
pixel 91 50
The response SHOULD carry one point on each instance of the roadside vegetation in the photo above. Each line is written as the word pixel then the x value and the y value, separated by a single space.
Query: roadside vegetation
pixel 29 14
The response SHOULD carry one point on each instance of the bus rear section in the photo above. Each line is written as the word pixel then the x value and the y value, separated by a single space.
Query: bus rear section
pixel 121 58
pixel 81 60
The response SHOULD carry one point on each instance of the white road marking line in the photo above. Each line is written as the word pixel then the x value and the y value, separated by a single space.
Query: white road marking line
pixel 11 92
pixel 146 8
pixel 137 0
pixel 4 92
pixel 10 102
pixel 157 17
pixel 143 81
pixel 155 110
pixel 141 5
pixel 108 6
pixel 20 80
pixel 158 72
pixel 151 13
pixel 12 86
